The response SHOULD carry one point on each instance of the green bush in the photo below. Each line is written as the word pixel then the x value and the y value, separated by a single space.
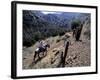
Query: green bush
pixel 75 24
pixel 61 33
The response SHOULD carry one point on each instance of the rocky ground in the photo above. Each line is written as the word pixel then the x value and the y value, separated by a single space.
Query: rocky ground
pixel 78 54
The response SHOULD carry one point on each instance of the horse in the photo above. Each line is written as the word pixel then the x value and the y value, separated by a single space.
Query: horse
pixel 41 49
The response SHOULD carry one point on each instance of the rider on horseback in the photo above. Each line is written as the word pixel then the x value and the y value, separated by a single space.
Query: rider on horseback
pixel 42 47
pixel 40 44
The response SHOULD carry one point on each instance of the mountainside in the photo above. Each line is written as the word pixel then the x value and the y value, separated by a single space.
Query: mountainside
pixel 37 25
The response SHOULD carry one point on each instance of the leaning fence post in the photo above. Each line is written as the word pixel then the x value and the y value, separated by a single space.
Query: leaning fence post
pixel 65 54
pixel 78 33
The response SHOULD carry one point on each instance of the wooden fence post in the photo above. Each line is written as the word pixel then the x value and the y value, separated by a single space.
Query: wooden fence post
pixel 65 55
pixel 78 32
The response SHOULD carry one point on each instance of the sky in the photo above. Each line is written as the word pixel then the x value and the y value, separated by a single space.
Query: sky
pixel 50 12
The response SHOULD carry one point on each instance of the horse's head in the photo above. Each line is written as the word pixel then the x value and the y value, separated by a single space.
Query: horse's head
pixel 47 45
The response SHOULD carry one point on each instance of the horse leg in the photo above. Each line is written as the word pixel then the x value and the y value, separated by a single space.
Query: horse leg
pixel 38 55
pixel 42 53
pixel 34 56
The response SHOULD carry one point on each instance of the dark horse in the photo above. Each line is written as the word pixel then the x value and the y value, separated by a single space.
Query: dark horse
pixel 41 49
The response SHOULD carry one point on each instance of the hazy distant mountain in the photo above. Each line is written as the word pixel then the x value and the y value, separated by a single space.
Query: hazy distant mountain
pixel 37 25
